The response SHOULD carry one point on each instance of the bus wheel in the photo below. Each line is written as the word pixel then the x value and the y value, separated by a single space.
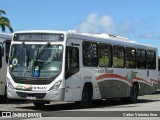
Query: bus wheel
pixel 39 104
pixel 134 94
pixel 86 96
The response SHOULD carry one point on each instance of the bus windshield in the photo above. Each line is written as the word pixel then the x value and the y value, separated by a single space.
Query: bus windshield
pixel 35 60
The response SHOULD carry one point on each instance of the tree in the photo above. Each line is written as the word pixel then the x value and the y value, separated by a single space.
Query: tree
pixel 4 22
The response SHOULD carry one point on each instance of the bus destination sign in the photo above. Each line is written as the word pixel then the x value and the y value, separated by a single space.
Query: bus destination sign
pixel 38 37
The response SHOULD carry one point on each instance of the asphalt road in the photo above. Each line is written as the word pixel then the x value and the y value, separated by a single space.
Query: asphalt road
pixel 147 104
pixel 14 105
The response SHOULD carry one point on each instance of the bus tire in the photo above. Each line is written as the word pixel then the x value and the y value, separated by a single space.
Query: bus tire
pixel 86 96
pixel 39 104
pixel 134 93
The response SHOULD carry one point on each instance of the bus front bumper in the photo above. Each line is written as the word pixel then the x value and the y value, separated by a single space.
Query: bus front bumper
pixel 57 95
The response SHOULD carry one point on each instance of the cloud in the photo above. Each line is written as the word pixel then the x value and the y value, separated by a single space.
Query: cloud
pixel 140 29
pixel 105 24
pixel 95 24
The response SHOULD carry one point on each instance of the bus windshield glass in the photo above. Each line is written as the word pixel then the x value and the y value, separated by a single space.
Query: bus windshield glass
pixel 35 60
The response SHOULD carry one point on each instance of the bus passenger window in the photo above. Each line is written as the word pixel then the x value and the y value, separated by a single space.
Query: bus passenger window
pixel 8 43
pixel 5 49
pixel 151 59
pixel 141 59
pixel 90 54
pixel 118 56
pixel 130 57
pixel 105 55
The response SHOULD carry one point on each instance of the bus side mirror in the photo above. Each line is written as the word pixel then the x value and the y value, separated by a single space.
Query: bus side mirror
pixel 0 57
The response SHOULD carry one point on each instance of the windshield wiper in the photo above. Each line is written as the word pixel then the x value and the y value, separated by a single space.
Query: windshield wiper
pixel 42 51
pixel 37 54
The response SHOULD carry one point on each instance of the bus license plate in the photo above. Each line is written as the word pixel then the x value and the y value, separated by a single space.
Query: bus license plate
pixel 31 98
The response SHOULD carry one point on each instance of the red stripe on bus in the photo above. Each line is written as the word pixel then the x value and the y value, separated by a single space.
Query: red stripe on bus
pixel 113 76
pixel 124 78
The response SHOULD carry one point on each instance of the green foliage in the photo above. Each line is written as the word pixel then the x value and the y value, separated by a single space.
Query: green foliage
pixel 4 22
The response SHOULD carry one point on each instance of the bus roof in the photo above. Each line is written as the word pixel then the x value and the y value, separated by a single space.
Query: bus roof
pixel 112 39
pixel 5 36
pixel 41 31
pixel 102 37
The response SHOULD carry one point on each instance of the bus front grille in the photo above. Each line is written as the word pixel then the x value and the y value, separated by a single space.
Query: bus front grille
pixel 25 95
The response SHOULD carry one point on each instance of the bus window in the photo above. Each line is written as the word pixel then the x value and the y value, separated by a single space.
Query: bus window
pixel 141 59
pixel 72 61
pixel 151 59
pixel 8 43
pixel 5 49
pixel 118 56
pixel 130 57
pixel 105 55
pixel 90 54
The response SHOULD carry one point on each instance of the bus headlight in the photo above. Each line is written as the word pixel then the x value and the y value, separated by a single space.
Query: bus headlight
pixel 9 84
pixel 55 86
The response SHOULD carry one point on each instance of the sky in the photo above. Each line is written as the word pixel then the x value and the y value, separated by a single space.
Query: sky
pixel 139 20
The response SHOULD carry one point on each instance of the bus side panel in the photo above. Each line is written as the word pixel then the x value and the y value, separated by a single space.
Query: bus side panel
pixel 148 85
pixel 73 90
pixel 122 79
pixel 153 79
pixel 105 88
pixel 115 82
pixel 2 72
pixel 88 75
pixel 158 80
pixel 104 78
pixel 147 80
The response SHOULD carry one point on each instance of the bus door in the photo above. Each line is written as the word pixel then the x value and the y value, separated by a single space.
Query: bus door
pixel 72 74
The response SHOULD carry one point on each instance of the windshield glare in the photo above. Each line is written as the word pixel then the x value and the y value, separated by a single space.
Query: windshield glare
pixel 28 60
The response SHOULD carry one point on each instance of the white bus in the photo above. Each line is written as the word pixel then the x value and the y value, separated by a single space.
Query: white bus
pixel 5 41
pixel 48 66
